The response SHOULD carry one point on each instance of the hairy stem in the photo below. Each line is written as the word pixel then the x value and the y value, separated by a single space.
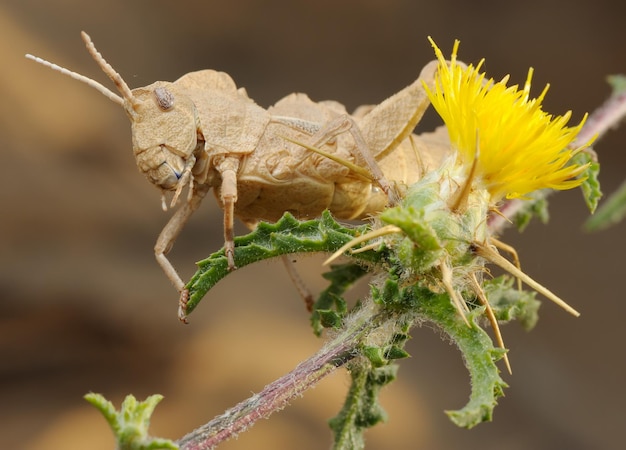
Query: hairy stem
pixel 278 394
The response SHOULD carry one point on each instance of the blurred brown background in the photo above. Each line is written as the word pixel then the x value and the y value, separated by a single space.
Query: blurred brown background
pixel 84 306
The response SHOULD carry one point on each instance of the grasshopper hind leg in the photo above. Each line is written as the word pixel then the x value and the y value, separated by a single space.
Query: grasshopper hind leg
pixel 293 273
pixel 297 281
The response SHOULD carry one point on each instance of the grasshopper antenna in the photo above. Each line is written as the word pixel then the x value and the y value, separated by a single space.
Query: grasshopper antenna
pixel 106 68
pixel 94 84
pixel 121 85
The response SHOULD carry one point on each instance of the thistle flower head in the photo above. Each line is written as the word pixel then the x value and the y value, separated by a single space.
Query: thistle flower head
pixel 518 147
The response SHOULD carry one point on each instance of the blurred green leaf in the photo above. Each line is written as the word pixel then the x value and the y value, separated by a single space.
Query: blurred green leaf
pixel 130 425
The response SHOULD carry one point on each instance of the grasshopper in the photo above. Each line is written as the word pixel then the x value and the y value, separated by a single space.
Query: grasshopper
pixel 201 132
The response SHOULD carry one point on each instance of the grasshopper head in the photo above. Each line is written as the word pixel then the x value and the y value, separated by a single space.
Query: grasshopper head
pixel 163 119
pixel 165 136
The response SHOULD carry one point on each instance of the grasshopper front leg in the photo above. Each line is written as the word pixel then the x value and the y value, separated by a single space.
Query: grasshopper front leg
pixel 227 166
pixel 167 238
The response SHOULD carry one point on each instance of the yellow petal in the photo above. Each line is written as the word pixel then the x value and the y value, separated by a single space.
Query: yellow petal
pixel 520 148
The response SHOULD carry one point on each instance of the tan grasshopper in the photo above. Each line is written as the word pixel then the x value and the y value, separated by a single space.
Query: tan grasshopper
pixel 203 132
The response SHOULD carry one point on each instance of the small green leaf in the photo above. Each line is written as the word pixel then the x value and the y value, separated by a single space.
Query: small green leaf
pixel 591 185
pixel 341 277
pixel 106 408
pixel 376 355
pixel 361 409
pixel 420 249
pixel 130 425
pixel 390 295
pixel 509 303
pixel 612 211
pixel 326 318
pixel 396 352
pixel 414 225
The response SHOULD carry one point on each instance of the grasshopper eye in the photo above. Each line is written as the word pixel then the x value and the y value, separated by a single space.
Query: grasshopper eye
pixel 164 98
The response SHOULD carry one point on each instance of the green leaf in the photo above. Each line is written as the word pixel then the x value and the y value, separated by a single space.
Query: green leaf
pixel 286 236
pixel 412 222
pixel 421 248
pixel 341 277
pixel 130 425
pixel 376 355
pixel 326 318
pixel 612 211
pixel 396 352
pixel 510 303
pixel 361 409
pixel 591 185
pixel 478 353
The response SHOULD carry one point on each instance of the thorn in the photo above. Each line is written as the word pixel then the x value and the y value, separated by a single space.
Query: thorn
pixel 493 256
pixel 478 290
pixel 459 303
pixel 509 249
pixel 459 199
pixel 389 229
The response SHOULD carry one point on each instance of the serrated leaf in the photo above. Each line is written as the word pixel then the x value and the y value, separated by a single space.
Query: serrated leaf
pixel 478 353
pixel 509 303
pixel 361 409
pixel 284 237
pixel 341 277
pixel 591 186
pixel 612 211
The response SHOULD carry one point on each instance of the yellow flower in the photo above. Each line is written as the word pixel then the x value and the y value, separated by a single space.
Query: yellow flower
pixel 519 147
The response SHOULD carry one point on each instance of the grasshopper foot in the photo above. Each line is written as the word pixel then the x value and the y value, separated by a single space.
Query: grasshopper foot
pixel 182 306
pixel 230 255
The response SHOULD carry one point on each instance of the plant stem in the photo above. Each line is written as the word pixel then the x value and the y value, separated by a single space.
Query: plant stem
pixel 605 117
pixel 278 394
